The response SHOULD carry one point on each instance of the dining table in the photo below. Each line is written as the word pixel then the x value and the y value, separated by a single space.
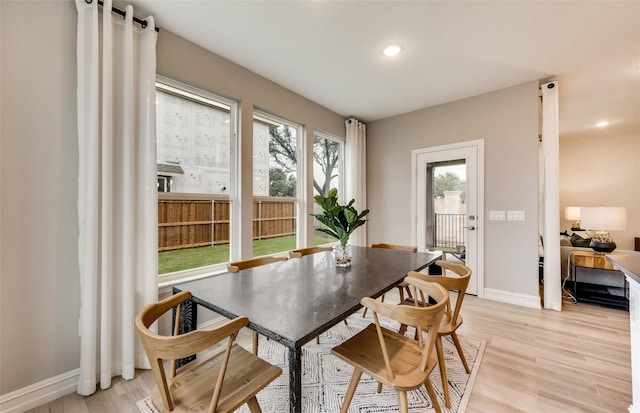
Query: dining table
pixel 294 301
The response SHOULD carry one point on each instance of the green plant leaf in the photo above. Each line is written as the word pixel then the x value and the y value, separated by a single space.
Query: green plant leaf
pixel 340 220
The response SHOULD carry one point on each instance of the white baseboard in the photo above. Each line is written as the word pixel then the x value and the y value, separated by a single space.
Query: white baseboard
pixel 40 393
pixel 531 301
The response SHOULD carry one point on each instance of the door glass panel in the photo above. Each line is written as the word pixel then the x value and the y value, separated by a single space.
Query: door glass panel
pixel 446 188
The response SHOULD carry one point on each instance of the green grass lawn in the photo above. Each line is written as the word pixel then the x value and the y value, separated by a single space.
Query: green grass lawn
pixel 177 260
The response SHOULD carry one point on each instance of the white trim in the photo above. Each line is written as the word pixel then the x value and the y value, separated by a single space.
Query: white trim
pixel 524 300
pixel 40 393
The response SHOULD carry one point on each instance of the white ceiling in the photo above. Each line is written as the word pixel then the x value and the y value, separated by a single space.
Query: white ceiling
pixel 330 51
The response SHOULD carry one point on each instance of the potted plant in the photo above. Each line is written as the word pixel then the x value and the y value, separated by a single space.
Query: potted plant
pixel 340 222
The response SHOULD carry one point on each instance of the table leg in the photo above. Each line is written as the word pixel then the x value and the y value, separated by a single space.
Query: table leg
pixel 295 380
pixel 575 282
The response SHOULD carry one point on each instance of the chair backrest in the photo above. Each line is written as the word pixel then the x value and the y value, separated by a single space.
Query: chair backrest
pixel 253 262
pixel 458 284
pixel 307 251
pixel 424 318
pixel 395 247
pixel 160 348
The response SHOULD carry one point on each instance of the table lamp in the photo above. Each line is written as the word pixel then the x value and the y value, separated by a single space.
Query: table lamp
pixel 601 220
pixel 573 214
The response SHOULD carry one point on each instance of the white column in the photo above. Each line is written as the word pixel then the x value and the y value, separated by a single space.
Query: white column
pixel 551 193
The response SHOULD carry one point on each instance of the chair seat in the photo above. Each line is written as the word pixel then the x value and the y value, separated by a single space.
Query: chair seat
pixel 364 350
pixel 192 387
pixel 447 327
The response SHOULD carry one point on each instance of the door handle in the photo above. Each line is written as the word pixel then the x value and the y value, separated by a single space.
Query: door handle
pixel 471 228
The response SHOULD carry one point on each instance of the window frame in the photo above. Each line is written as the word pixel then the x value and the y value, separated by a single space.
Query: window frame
pixel 262 115
pixel 202 96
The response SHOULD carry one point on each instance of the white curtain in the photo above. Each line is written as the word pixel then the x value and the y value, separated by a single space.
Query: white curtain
pixel 117 194
pixel 551 193
pixel 356 173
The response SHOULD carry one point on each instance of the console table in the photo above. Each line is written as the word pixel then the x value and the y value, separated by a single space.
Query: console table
pixel 608 296
pixel 629 263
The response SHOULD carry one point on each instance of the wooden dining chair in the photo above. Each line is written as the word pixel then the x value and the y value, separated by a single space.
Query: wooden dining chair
pixel 220 383
pixel 236 266
pixel 301 252
pixel 392 358
pixel 402 287
pixel 452 318
pixel 253 262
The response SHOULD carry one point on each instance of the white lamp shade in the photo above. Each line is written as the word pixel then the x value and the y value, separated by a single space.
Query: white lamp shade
pixel 604 218
pixel 572 213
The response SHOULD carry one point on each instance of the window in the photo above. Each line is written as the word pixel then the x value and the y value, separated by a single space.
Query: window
pixel 196 174
pixel 328 167
pixel 276 184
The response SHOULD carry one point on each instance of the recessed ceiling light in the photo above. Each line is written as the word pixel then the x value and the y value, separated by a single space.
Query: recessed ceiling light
pixel 602 124
pixel 392 50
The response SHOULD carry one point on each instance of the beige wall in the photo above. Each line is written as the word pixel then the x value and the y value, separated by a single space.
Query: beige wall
pixel 39 283
pixel 602 170
pixel 507 120
pixel 39 278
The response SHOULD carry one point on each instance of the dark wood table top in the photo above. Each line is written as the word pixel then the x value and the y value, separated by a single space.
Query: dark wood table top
pixel 296 300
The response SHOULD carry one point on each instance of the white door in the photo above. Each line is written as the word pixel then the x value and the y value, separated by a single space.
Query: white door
pixel 451 220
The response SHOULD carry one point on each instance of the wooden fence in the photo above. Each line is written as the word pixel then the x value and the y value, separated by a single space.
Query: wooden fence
pixel 199 223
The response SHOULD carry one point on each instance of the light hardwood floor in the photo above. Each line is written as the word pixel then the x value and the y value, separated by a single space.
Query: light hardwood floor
pixel 537 361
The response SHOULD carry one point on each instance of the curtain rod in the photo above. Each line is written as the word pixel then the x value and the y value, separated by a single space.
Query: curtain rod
pixel 122 13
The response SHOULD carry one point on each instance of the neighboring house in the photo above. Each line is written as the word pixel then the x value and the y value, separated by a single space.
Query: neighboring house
pixel 39 302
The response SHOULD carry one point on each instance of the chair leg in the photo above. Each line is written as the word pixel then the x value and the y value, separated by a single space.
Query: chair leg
pixel 254 407
pixel 456 341
pixel 318 340
pixel 443 371
pixel 255 343
pixel 403 329
pixel 401 292
pixel 402 402
pixel 432 395
pixel 355 379
pixel 379 387
pixel 409 292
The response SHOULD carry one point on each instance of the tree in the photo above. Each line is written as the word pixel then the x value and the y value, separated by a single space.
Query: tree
pixel 282 165
pixel 326 154
pixel 281 183
pixel 282 148
pixel 449 182
pixel 283 153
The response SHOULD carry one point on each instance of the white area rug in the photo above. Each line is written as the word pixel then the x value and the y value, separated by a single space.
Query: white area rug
pixel 325 378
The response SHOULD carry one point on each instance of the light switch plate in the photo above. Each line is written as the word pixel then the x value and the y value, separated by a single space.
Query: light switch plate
pixel 515 215
pixel 496 215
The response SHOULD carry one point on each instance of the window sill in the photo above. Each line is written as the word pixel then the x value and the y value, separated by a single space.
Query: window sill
pixel 167 281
